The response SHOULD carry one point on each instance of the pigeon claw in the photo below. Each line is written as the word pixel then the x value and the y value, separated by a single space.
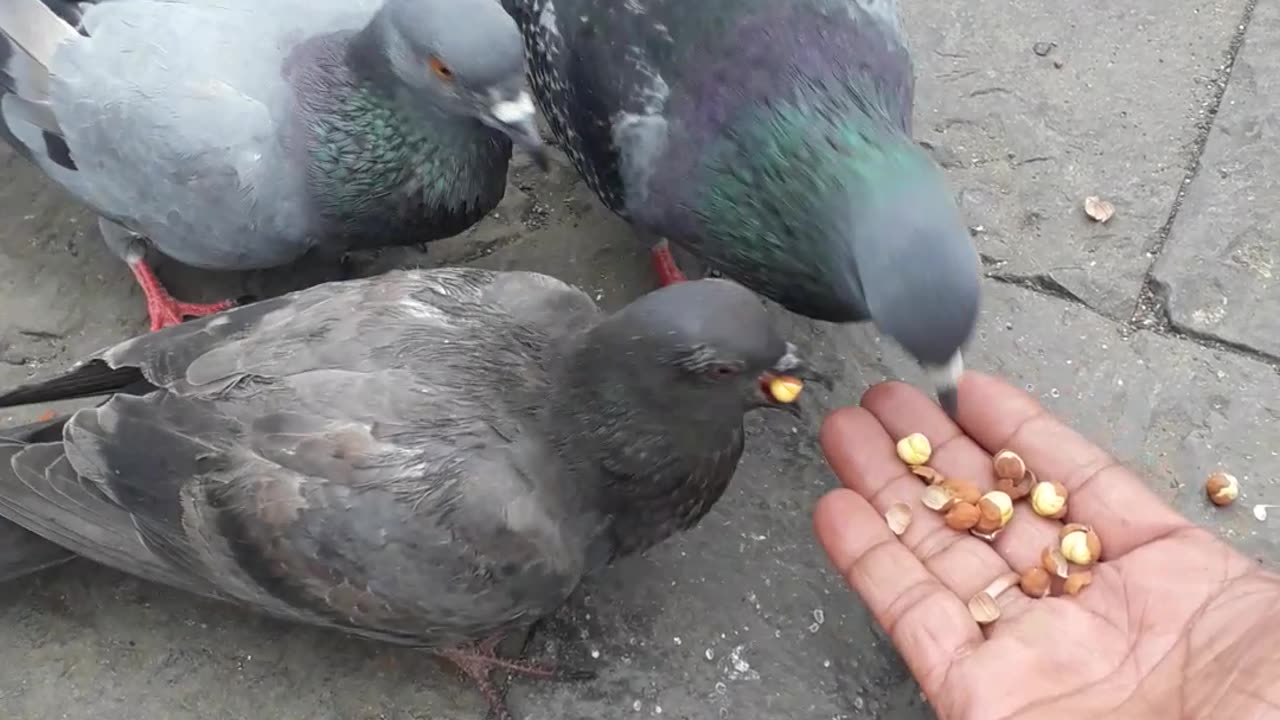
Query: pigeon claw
pixel 167 314
pixel 162 308
pixel 480 661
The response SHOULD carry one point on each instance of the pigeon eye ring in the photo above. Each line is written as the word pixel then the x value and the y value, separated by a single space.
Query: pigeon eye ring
pixel 439 68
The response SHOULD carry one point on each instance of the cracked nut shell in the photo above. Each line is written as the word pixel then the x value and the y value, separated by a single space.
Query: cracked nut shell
pixel 1016 489
pixel 1222 488
pixel 928 474
pixel 1054 562
pixel 898 517
pixel 1009 465
pixel 1076 582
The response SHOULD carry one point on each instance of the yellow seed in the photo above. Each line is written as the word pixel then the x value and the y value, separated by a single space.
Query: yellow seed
pixel 785 389
pixel 1081 547
pixel 914 449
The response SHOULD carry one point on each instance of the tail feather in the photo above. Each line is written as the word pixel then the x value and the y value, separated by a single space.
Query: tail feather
pixel 22 552
pixel 41 492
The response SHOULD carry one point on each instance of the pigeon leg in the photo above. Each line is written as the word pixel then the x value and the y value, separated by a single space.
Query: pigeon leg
pixel 161 307
pixel 664 264
pixel 667 266
pixel 479 661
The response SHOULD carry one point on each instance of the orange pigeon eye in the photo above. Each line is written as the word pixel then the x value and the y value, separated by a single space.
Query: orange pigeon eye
pixel 439 68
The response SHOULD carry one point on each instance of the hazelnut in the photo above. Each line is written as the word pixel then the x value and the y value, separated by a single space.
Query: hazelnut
pixel 914 449
pixel 1049 499
pixel 1016 489
pixel 963 490
pixel 962 516
pixel 1009 465
pixel 1081 547
pixel 983 607
pixel 997 509
pixel 785 389
pixel 1053 561
pixel 988 520
pixel 1222 488
pixel 928 474
pixel 1035 582
pixel 898 517
pixel 1076 582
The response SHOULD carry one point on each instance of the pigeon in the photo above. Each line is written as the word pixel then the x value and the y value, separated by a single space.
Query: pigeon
pixel 23 552
pixel 770 139
pixel 430 458
pixel 240 134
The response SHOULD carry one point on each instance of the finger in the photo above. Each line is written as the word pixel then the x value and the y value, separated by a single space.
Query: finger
pixel 1101 492
pixel 862 455
pixel 903 409
pixel 929 625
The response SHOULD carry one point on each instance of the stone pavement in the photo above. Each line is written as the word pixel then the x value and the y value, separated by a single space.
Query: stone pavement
pixel 1155 333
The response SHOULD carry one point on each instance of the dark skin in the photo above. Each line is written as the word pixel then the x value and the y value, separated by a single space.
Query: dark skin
pixel 1176 623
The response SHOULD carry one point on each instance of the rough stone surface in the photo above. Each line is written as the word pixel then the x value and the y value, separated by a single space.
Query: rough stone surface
pixel 740 618
pixel 1220 270
pixel 1026 141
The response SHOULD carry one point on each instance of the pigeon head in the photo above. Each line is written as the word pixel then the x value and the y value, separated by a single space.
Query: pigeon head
pixel 700 353
pixel 466 56
pixel 838 215
pixel 909 260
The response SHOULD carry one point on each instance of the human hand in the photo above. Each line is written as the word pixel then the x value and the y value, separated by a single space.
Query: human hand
pixel 1176 624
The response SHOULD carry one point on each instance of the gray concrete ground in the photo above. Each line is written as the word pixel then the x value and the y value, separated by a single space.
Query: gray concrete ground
pixel 1155 333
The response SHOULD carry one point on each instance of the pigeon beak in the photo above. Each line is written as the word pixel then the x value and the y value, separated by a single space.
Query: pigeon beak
pixel 791 364
pixel 790 373
pixel 945 379
pixel 516 117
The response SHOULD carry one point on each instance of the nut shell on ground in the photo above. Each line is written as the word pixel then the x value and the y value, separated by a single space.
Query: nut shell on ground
pixel 1222 488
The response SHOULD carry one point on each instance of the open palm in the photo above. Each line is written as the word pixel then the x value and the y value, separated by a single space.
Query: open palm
pixel 1172 615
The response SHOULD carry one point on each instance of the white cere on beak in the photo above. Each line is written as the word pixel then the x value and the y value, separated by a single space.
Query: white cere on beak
pixel 788 360
pixel 947 375
pixel 513 112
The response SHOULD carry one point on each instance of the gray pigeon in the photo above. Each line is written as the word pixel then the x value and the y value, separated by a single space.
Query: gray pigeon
pixel 772 140
pixel 430 457
pixel 242 134
pixel 23 552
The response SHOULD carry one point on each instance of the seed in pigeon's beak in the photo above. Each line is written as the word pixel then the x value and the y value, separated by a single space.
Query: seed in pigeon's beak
pixel 784 388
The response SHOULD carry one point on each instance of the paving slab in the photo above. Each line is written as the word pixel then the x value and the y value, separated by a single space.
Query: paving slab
pixel 1219 272
pixel 1115 107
